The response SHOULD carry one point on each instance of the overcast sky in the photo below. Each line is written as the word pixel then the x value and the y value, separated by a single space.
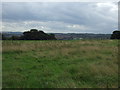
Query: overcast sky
pixel 60 17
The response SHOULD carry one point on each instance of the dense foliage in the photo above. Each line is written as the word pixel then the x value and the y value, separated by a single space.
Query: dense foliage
pixel 33 34
pixel 115 35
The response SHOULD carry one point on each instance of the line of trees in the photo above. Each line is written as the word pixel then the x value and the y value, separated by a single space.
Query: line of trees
pixel 33 34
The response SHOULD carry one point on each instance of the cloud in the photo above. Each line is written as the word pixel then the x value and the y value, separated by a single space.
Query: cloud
pixel 78 27
pixel 60 1
pixel 49 26
pixel 61 17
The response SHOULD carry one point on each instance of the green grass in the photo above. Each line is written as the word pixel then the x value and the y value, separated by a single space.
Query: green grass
pixel 60 64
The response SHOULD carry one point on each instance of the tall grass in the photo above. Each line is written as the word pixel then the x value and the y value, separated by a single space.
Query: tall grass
pixel 60 64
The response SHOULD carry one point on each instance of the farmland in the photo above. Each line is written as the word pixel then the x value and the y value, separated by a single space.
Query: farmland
pixel 60 64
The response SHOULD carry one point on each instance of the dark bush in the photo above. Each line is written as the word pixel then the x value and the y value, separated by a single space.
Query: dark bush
pixel 34 34
pixel 115 35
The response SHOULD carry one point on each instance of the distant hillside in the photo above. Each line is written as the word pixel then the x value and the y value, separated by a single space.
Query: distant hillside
pixel 68 36
pixel 10 34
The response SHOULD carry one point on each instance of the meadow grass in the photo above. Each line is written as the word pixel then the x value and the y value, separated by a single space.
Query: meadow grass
pixel 60 64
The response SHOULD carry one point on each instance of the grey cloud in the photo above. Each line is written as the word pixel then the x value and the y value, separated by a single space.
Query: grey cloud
pixel 98 18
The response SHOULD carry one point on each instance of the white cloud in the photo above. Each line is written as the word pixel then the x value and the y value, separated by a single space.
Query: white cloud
pixel 49 27
pixel 79 27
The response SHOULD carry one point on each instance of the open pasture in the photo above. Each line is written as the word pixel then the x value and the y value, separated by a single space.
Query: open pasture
pixel 60 64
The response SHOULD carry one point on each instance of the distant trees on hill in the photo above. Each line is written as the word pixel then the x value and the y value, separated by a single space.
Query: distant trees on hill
pixel 33 34
pixel 115 35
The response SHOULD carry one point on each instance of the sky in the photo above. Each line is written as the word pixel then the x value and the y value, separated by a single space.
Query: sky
pixel 60 17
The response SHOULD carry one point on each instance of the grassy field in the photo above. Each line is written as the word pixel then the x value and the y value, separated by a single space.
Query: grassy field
pixel 60 64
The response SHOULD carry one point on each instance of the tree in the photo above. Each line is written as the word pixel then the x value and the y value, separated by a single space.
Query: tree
pixel 115 35
pixel 3 37
pixel 52 36
pixel 34 34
